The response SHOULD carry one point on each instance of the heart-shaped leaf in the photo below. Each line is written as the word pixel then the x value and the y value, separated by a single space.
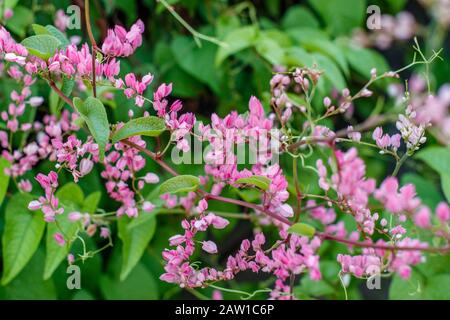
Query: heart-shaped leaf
pixel 184 183
pixel 135 240
pixel 302 229
pixel 71 198
pixel 260 182
pixel 94 114
pixel 145 126
pixel 23 232
pixel 42 46
pixel 4 178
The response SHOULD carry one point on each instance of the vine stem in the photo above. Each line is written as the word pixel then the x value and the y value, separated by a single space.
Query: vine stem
pixel 323 236
pixel 197 35
pixel 87 17
pixel 207 195
pixel 58 91
pixel 399 164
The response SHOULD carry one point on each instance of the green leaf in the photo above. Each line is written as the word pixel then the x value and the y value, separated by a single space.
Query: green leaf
pixel 327 48
pixel 28 285
pixel 260 182
pixel 42 46
pixel 341 18
pixel 23 232
pixel 7 4
pixel 4 178
pixel 140 285
pixel 298 16
pixel 39 29
pixel 437 158
pixel 331 72
pixel 445 182
pixel 426 190
pixel 71 198
pixel 91 202
pixel 135 240
pixel 20 21
pixel 179 184
pixel 302 229
pixel 57 104
pixel 94 114
pixel 313 288
pixel 237 40
pixel 411 289
pixel 297 57
pixel 58 35
pixel 146 126
pixel 83 295
pixel 269 49
pixel 438 287
pixel 362 60
pixel 192 59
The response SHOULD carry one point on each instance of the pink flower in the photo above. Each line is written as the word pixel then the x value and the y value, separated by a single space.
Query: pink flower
pixel 202 206
pixel 151 178
pixel 34 205
pixel 59 238
pixel 70 258
pixel 25 185
pixel 209 247
pixel 147 206
pixel 86 166
pixel 217 295
pixel 36 101
pixel 105 232
pixel 75 216
pixel 286 210
pixel 443 212
pixel 422 218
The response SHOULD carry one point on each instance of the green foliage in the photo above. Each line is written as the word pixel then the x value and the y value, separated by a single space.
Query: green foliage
pixel 52 31
pixel 146 126
pixel 135 235
pixel 94 114
pixel 236 41
pixel 337 16
pixel 22 235
pixel 42 46
pixel 22 18
pixel 438 158
pixel 302 229
pixel 71 198
pixel 4 178
pixel 28 285
pixel 179 184
pixel 257 181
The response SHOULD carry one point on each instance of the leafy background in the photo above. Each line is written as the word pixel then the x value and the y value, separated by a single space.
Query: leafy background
pixel 208 79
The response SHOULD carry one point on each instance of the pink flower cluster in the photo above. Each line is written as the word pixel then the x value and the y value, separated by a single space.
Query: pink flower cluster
pixel 295 256
pixel 134 88
pixel 351 186
pixel 50 129
pixel 121 166
pixel 372 261
pixel 384 141
pixel 49 203
pixel 182 125
pixel 69 152
pixel 401 27
pixel 122 43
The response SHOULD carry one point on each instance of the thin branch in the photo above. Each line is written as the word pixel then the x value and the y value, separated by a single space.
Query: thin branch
pixel 93 44
pixel 322 235
pixel 197 35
